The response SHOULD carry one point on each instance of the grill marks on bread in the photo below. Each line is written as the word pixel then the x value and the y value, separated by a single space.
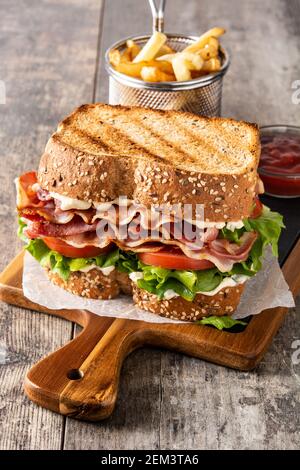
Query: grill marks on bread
pixel 210 145
pixel 101 152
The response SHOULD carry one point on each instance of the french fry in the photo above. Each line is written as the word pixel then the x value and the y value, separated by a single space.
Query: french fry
pixel 126 55
pixel 214 43
pixel 154 74
pixel 193 61
pixel 134 70
pixel 208 52
pixel 165 49
pixel 134 49
pixel 114 57
pixel 151 48
pixel 211 65
pixel 131 69
pixel 203 40
pixel 162 65
pixel 183 63
pixel 181 68
pixel 166 57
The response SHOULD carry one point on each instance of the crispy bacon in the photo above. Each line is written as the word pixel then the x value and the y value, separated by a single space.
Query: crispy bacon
pixel 45 218
pixel 43 195
pixel 42 228
pixel 26 195
pixel 225 249
pixel 210 234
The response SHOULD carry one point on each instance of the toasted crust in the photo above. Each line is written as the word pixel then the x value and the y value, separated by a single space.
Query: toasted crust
pixel 101 152
pixel 224 302
pixel 93 284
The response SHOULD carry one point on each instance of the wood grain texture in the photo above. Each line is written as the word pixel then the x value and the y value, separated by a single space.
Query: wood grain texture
pixel 47 67
pixel 166 400
pixel 81 380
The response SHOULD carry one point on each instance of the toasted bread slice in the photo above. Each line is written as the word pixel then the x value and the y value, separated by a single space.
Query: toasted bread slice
pixel 93 284
pixel 101 152
pixel 224 302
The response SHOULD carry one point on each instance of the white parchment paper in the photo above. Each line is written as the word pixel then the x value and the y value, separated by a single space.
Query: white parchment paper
pixel 267 289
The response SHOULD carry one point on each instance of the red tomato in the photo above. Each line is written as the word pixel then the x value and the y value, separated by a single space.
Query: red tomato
pixel 71 251
pixel 173 258
pixel 257 210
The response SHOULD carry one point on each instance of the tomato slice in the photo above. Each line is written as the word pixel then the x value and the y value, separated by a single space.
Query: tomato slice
pixel 173 258
pixel 257 210
pixel 71 251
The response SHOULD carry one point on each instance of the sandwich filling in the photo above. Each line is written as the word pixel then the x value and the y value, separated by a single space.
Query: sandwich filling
pixel 62 234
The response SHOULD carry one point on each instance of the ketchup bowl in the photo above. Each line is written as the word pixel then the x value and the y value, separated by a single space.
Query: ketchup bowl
pixel 279 166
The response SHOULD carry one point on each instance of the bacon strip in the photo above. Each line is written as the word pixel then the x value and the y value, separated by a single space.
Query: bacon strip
pixel 26 196
pixel 225 249
pixel 42 228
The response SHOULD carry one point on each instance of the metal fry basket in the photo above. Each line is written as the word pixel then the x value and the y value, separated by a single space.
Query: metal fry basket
pixel 201 95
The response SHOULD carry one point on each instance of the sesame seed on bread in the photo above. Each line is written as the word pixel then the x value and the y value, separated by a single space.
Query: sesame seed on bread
pixel 224 302
pixel 93 284
pixel 101 152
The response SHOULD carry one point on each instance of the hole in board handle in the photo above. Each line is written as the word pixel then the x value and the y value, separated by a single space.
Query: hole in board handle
pixel 75 374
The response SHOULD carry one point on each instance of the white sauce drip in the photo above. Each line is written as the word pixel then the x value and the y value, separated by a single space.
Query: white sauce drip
pixel 226 282
pixel 106 271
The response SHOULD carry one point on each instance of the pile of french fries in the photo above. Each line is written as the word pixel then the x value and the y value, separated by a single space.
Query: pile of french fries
pixel 158 62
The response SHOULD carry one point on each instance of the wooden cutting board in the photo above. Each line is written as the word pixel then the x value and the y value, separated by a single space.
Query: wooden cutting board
pixel 81 379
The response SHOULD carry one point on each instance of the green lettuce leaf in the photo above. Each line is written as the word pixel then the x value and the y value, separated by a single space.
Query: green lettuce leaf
pixel 185 283
pixel 109 259
pixel 220 322
pixel 161 275
pixel 268 226
pixel 187 278
pixel 62 265
pixel 232 235
pixel 21 227
pixel 76 264
pixel 39 250
pixel 208 279
pixel 127 262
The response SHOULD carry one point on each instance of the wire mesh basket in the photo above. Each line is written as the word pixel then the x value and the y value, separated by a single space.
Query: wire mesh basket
pixel 201 95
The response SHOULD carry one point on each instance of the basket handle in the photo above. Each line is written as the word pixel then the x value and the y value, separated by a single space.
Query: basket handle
pixel 158 15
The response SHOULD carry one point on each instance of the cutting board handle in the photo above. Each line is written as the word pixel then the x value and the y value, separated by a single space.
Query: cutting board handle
pixel 81 379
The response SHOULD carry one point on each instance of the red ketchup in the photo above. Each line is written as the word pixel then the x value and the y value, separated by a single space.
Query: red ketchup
pixel 279 166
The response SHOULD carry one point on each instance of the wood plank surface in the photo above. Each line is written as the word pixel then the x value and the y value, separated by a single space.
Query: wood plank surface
pixel 48 68
pixel 166 400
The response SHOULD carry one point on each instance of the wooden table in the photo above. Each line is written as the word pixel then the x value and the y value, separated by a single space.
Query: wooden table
pixel 51 60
